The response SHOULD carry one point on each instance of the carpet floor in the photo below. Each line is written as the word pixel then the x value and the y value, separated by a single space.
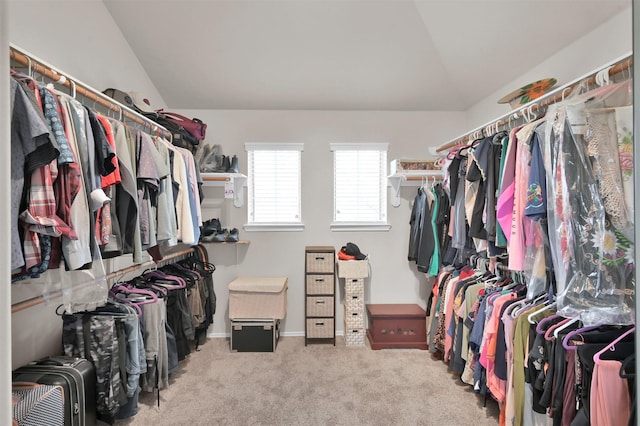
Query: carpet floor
pixel 317 384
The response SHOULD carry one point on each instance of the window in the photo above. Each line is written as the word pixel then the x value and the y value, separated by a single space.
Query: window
pixel 274 186
pixel 360 186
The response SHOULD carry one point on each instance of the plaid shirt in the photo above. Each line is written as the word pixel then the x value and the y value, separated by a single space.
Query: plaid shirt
pixel 41 218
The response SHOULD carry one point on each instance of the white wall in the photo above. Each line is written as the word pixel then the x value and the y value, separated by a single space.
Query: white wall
pixel 608 42
pixel 80 38
pixel 393 278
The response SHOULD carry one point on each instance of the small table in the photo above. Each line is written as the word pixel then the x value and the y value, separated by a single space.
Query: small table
pixel 397 326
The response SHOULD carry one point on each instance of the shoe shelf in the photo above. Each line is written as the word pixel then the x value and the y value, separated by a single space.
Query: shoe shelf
pixel 220 179
pixel 241 242
pixel 399 180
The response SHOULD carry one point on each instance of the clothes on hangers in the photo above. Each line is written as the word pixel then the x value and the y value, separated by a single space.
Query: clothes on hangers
pixel 95 187
pixel 146 329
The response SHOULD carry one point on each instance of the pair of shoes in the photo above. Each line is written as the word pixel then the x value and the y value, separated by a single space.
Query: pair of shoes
pixel 222 236
pixel 217 236
pixel 211 226
pixel 227 165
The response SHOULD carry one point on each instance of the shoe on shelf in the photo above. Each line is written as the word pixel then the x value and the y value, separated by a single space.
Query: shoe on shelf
pixel 211 226
pixel 207 238
pixel 220 236
pixel 233 167
pixel 233 236
pixel 224 164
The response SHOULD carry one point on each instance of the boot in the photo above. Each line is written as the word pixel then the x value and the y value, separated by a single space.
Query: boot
pixel 233 167
pixel 223 165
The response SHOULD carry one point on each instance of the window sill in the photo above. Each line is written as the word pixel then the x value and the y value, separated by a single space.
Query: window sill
pixel 274 227
pixel 359 227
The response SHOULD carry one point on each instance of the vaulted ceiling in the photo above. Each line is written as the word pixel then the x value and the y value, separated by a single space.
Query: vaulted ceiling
pixel 346 54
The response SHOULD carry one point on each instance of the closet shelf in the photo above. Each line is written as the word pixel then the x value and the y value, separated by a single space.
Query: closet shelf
pixel 220 179
pixel 241 242
pixel 398 180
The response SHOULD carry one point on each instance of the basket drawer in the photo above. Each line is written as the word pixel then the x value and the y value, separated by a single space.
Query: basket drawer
pixel 320 328
pixel 320 262
pixel 354 303
pixel 354 286
pixel 354 319
pixel 320 284
pixel 320 306
pixel 354 336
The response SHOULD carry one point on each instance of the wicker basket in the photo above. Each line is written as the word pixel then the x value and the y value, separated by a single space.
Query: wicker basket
pixel 320 284
pixel 354 286
pixel 354 336
pixel 354 303
pixel 320 306
pixel 353 319
pixel 353 268
pixel 320 328
pixel 320 262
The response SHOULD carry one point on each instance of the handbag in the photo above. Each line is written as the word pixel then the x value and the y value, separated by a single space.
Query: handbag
pixel 194 126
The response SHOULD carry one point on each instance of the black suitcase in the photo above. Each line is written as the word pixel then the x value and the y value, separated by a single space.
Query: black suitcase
pixel 78 379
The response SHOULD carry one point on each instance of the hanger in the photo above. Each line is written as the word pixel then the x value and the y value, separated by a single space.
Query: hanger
pixel 128 302
pixel 540 326
pixel 549 334
pixel 571 321
pixel 148 295
pixel 166 281
pixel 612 346
pixel 566 342
pixel 531 316
pixel 623 366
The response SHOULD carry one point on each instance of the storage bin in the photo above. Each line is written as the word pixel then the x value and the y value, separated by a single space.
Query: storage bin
pixel 353 268
pixel 354 336
pixel 320 328
pixel 354 286
pixel 319 306
pixel 354 318
pixel 258 298
pixel 254 335
pixel 354 302
pixel 320 284
pixel 320 262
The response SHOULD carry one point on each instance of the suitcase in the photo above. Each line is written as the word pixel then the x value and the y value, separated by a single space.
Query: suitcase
pixel 35 404
pixel 78 379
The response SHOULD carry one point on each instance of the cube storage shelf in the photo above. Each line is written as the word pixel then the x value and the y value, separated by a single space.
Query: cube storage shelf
pixel 353 272
pixel 320 294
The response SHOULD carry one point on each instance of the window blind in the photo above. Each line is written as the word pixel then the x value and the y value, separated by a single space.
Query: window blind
pixel 274 184
pixel 360 183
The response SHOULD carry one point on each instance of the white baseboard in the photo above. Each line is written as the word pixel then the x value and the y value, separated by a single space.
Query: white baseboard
pixel 285 334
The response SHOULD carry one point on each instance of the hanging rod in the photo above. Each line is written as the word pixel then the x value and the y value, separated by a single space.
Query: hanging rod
pixel 37 65
pixel 558 94
pixel 39 300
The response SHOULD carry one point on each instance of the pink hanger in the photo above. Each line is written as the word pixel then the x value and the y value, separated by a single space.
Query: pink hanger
pixel 612 346
pixel 547 334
